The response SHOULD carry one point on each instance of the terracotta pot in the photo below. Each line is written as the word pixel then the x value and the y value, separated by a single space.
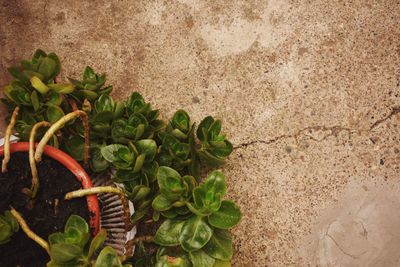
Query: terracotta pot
pixel 73 166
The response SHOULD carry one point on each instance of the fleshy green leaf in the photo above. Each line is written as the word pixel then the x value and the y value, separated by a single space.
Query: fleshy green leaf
pixel 108 258
pixel 110 152
pixel 195 234
pixel 97 162
pixel 62 88
pixel 54 98
pixel 77 222
pixel 39 85
pixel 54 113
pixel 200 259
pixel 47 67
pixel 35 100
pixel 169 261
pixel 147 147
pixel 56 238
pixel 220 245
pixel 63 253
pixel 169 232
pixel 161 203
pixel 227 216
pixel 97 242
pixel 219 263
pixel 170 182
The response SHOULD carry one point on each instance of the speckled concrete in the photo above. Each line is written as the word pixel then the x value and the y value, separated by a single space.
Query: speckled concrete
pixel 308 92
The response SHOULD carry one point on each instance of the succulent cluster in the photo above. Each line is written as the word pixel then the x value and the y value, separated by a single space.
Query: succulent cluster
pixel 198 218
pixel 72 248
pixel 159 164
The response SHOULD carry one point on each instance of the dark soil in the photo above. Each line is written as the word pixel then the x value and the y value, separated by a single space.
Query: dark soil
pixel 45 216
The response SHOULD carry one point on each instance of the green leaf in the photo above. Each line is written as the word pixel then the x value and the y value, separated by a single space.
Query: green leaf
pixel 204 126
pixel 78 223
pixel 39 85
pixel 170 182
pixel 47 67
pixel 62 88
pixel 214 130
pixel 56 238
pixel 108 258
pixel 227 216
pixel 110 152
pixel 168 261
pixel 35 100
pixel 139 214
pixel 54 113
pixel 65 253
pixel 139 162
pixel 196 210
pixel 195 234
pixel 161 203
pixel 220 245
pixel 209 159
pixel 11 221
pixel 219 263
pixel 141 192
pixel 147 147
pixel 39 53
pixel 200 259
pixel 97 242
pixel 54 98
pixel 76 237
pixel 104 103
pixel 181 121
pixel 170 214
pixel 19 75
pixel 97 162
pixel 208 195
pixel 215 182
pixel 57 68
pixel 136 104
pixel 89 76
pixel 169 232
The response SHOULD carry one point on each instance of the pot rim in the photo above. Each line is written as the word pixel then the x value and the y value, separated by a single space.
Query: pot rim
pixel 73 166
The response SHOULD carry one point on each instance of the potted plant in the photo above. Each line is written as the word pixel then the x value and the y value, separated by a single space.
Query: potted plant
pixel 181 219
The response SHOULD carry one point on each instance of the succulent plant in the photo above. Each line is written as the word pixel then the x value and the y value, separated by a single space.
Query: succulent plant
pixel 90 87
pixel 72 248
pixel 214 148
pixel 159 166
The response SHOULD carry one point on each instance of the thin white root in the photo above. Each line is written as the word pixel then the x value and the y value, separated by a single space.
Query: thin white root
pixel 94 191
pixel 10 127
pixel 58 125
pixel 40 241
pixel 32 162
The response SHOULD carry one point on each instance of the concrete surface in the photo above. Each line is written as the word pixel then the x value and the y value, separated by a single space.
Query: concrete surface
pixel 308 92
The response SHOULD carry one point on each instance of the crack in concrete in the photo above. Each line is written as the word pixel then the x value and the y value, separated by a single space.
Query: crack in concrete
pixel 339 247
pixel 394 111
pixel 334 130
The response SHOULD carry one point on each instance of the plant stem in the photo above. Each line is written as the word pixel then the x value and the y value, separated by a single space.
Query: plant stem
pixel 41 242
pixel 136 240
pixel 94 190
pixel 58 125
pixel 10 127
pixel 73 105
pixel 32 162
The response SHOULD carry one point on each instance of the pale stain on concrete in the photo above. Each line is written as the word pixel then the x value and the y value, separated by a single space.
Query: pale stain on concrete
pixel 309 93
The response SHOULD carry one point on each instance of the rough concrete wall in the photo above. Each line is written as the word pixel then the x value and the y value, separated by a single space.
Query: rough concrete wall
pixel 308 92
